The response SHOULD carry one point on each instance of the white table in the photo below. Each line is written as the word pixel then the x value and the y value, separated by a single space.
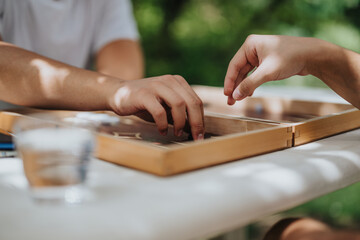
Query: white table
pixel 134 205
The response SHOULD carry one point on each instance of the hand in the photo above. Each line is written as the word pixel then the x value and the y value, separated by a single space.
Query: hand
pixel 272 57
pixel 164 97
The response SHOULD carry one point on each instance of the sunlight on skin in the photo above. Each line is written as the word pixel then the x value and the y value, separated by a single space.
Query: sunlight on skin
pixel 101 80
pixel 47 74
pixel 122 93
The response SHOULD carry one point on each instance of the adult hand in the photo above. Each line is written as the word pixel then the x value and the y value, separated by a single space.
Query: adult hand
pixel 272 57
pixel 163 97
pixel 46 83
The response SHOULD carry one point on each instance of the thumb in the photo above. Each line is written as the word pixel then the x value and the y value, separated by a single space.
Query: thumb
pixel 247 87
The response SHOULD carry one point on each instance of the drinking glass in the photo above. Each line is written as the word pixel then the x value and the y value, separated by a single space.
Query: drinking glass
pixel 55 158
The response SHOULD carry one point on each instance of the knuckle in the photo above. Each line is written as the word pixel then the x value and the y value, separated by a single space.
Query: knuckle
pixel 167 76
pixel 156 84
pixel 197 102
pixel 236 65
pixel 159 113
pixel 180 78
pixel 251 37
pixel 174 78
pixel 179 103
pixel 233 62
pixel 142 92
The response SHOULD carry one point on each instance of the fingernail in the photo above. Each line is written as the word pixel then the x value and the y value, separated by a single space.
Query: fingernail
pixel 180 133
pixel 238 95
pixel 163 132
pixel 200 136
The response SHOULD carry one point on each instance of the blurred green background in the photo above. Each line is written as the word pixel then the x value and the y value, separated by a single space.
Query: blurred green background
pixel 197 39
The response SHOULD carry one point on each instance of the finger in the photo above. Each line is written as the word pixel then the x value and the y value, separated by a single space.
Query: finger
pixel 177 105
pixel 196 121
pixel 231 100
pixel 194 108
pixel 261 75
pixel 235 66
pixel 242 75
pixel 183 83
pixel 157 111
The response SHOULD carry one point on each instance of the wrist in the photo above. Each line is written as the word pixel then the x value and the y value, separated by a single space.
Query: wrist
pixel 321 56
pixel 110 88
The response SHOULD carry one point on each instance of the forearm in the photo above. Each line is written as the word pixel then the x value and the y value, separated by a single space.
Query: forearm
pixel 29 79
pixel 122 59
pixel 339 68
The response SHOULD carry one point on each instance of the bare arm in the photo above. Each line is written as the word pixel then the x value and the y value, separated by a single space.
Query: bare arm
pixel 29 79
pixel 308 229
pixel 339 68
pixel 280 57
pixel 122 59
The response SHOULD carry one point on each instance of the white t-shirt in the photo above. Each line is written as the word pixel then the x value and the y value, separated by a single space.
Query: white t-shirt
pixel 70 31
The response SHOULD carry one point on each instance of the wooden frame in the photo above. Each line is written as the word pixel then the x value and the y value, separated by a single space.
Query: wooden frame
pixel 251 127
pixel 239 138
pixel 309 120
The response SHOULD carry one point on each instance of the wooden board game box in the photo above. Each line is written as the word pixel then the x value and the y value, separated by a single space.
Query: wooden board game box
pixel 251 127
pixel 310 120
pixel 132 142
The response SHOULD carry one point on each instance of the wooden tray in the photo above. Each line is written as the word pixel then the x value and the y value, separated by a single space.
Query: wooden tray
pixel 309 120
pixel 231 139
